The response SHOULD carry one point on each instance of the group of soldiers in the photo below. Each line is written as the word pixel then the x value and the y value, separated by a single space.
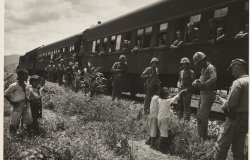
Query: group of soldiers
pixel 235 128
pixel 61 73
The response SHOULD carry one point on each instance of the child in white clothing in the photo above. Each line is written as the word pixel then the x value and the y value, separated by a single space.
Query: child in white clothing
pixel 164 114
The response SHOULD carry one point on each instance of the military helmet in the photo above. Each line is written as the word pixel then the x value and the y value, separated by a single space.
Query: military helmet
pixel 154 60
pixel 198 56
pixel 122 57
pixel 34 78
pixel 237 61
pixel 76 63
pixel 70 63
pixel 21 72
pixel 185 60
pixel 61 60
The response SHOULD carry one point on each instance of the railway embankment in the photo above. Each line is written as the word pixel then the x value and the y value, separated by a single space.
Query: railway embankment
pixel 75 126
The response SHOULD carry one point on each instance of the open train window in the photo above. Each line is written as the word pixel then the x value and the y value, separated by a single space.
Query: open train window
pixel 104 44
pixel 162 35
pixel 97 49
pixel 147 37
pixel 93 46
pixel 195 19
pixel 245 18
pixel 112 44
pixel 118 42
pixel 220 12
pixel 220 17
pixel 139 39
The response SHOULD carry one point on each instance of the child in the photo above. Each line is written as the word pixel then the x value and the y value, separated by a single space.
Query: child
pixel 164 114
pixel 35 100
pixel 16 96
pixel 186 78
pixel 153 121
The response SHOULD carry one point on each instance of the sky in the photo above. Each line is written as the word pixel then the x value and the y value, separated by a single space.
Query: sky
pixel 32 23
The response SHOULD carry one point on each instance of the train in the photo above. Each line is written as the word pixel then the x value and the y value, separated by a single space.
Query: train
pixel 154 27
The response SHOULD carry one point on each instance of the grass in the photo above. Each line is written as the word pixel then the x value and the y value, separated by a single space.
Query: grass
pixel 80 127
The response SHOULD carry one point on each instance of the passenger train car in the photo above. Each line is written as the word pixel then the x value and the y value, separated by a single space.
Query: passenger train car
pixel 155 27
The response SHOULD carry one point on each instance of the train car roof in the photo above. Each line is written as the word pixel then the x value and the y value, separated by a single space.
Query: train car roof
pixel 33 51
pixel 62 43
pixel 160 11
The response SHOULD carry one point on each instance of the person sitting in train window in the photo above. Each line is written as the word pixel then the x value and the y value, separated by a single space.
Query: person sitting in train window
pixel 160 42
pixel 125 44
pixel 138 46
pixel 101 52
pixel 243 33
pixel 212 30
pixel 178 42
pixel 220 34
pixel 193 32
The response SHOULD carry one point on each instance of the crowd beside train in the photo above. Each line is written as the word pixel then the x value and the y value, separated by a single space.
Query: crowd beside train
pixel 157 102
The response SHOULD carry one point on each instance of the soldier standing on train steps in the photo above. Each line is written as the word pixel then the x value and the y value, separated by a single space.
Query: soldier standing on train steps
pixel 152 83
pixel 235 128
pixel 206 85
pixel 118 70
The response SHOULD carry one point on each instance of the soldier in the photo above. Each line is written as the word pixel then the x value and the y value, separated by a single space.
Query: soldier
pixel 206 85
pixel 152 83
pixel 186 78
pixel 60 69
pixel 69 75
pixel 48 69
pixel 119 70
pixel 54 73
pixel 35 100
pixel 16 96
pixel 235 128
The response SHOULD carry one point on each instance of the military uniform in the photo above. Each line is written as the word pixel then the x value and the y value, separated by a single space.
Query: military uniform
pixel 49 70
pixel 235 128
pixel 183 105
pixel 152 85
pixel 60 69
pixel 118 70
pixel 207 96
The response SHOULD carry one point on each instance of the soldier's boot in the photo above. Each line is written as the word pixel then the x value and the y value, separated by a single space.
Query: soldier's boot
pixel 153 142
pixel 148 142
pixel 162 144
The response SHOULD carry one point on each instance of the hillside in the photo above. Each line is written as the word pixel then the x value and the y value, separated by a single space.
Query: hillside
pixel 11 59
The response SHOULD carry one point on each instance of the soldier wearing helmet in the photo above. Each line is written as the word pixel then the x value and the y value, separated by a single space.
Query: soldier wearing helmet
pixel 235 129
pixel 16 96
pixel 186 77
pixel 118 70
pixel 49 70
pixel 206 84
pixel 152 83
pixel 69 74
pixel 60 73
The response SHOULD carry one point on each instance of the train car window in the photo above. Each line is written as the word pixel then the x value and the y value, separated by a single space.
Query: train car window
pixel 118 42
pixel 195 18
pixel 97 48
pixel 220 12
pixel 93 46
pixel 104 45
pixel 112 44
pixel 147 37
pixel 162 35
pixel 140 32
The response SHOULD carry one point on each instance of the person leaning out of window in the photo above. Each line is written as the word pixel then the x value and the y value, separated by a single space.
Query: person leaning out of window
pixel 178 42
